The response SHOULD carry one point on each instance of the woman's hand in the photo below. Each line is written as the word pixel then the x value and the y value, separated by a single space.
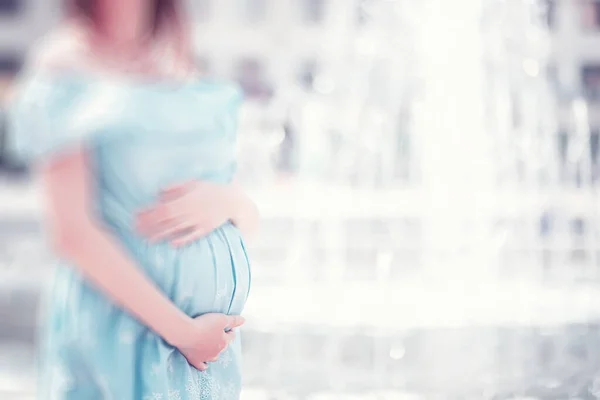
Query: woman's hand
pixel 191 210
pixel 209 335
pixel 187 212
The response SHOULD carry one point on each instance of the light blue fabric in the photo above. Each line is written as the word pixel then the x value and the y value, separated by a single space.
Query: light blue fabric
pixel 142 136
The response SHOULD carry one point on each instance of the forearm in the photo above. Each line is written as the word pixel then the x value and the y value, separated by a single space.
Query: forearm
pixel 245 213
pixel 80 238
pixel 106 266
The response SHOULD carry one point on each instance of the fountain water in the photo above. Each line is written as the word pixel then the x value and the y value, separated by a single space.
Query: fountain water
pixel 434 240
pixel 445 269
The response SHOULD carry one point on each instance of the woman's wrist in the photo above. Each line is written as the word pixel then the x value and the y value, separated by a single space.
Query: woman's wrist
pixel 231 199
pixel 242 210
pixel 175 328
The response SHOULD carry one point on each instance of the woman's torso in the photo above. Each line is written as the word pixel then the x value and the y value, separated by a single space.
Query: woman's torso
pixel 144 134
pixel 144 137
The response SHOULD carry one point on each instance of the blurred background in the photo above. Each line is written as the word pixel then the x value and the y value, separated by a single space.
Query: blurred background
pixel 427 172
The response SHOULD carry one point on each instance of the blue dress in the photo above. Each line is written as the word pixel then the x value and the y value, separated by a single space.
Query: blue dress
pixel 142 136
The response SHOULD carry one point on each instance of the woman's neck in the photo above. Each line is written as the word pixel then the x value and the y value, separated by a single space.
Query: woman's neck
pixel 151 57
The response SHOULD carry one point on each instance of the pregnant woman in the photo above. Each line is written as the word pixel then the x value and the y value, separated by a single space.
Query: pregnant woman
pixel 135 152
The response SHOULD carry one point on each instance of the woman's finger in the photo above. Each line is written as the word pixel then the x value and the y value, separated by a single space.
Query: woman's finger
pixel 190 237
pixel 230 336
pixel 152 216
pixel 150 226
pixel 172 229
pixel 160 217
pixel 233 321
pixel 175 191
pixel 202 366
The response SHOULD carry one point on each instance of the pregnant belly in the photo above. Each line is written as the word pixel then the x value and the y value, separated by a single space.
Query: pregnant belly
pixel 209 275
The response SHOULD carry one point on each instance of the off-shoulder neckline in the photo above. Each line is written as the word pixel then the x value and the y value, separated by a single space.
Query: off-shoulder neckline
pixel 91 77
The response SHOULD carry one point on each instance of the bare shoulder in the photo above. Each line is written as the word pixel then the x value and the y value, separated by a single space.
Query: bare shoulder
pixel 62 48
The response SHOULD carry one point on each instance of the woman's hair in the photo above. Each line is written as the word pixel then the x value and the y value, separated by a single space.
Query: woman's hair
pixel 165 12
pixel 167 18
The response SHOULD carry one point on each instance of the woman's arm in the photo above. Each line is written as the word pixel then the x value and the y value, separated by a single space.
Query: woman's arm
pixel 191 210
pixel 79 237
pixel 244 212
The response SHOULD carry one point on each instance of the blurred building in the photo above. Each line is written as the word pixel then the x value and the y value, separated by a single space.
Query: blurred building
pixel 575 74
pixel 21 24
pixel 266 43
pixel 281 48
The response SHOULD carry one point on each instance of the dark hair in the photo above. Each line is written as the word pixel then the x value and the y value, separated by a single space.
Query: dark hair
pixel 165 12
